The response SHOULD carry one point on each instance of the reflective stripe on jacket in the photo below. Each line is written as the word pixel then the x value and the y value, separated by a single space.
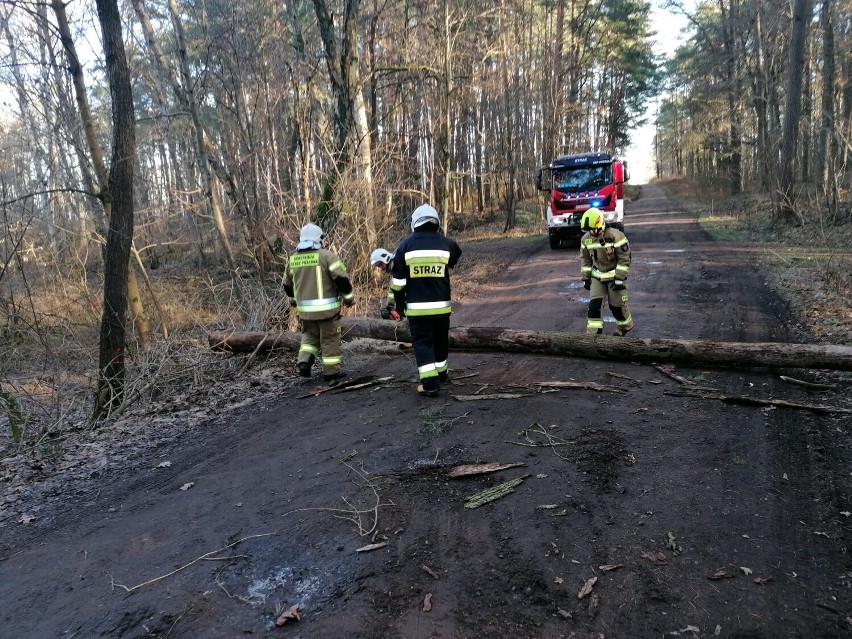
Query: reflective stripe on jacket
pixel 311 282
pixel 420 277
pixel 606 257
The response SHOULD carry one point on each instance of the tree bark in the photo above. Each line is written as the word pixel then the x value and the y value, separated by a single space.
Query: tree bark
pixel 802 13
pixel 652 350
pixel 110 390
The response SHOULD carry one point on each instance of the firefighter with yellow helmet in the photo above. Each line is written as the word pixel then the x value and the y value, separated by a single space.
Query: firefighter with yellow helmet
pixel 317 283
pixel 604 266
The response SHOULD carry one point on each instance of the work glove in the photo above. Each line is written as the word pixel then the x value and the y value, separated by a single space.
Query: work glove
pixel 587 284
pixel 395 316
pixel 386 312
pixel 618 285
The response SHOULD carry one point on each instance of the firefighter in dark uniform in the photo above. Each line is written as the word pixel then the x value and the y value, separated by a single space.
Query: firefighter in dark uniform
pixel 316 282
pixel 605 264
pixel 382 260
pixel 421 287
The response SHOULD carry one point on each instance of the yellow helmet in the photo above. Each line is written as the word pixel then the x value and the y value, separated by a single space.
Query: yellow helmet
pixel 592 219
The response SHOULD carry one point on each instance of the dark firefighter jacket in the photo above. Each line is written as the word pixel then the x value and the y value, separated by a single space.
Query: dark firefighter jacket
pixel 420 277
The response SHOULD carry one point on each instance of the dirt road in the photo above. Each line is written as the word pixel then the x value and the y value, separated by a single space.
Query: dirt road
pixel 694 518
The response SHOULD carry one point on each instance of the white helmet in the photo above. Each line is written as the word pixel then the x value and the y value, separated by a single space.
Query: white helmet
pixel 310 237
pixel 380 256
pixel 424 214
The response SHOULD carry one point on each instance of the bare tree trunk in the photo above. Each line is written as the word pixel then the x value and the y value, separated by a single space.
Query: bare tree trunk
pixel 495 339
pixel 110 391
pixel 104 185
pixel 802 12
pixel 188 95
pixel 826 119
pixel 342 63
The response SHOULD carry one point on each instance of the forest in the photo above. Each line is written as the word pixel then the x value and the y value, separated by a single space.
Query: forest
pixel 157 158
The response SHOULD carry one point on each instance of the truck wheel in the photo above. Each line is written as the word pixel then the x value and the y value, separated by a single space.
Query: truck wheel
pixel 555 242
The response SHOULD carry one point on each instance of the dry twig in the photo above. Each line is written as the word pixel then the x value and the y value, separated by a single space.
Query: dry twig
pixel 194 561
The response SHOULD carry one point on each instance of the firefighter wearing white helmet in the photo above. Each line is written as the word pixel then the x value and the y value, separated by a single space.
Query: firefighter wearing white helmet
pixel 421 285
pixel 604 266
pixel 424 214
pixel 317 283
pixel 382 260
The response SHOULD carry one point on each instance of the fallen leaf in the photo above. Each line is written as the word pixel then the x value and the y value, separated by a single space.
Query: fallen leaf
pixel 370 547
pixel 427 602
pixel 164 464
pixel 563 613
pixel 821 534
pixel 541 476
pixel 610 567
pixel 546 506
pixel 746 571
pixel 845 513
pixel 293 613
pixel 762 581
pixel 559 580
pixel 721 574
pixel 587 587
pixel 656 557
pixel 187 485
pixel 784 477
pixel 25 519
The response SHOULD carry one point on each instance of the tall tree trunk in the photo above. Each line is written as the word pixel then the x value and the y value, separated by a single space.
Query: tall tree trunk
pixel 110 391
pixel 826 119
pixel 802 12
pixel 211 192
pixel 342 63
pixel 103 178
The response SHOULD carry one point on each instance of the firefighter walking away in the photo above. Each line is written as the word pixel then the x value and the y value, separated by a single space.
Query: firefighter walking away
pixel 317 283
pixel 604 266
pixel 421 287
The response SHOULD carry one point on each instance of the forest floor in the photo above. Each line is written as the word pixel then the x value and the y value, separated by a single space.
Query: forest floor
pixel 637 510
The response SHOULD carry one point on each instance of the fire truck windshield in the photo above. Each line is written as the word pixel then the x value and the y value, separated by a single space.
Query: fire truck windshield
pixel 582 178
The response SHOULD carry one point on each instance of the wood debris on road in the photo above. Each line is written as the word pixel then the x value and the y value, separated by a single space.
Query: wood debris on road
pixel 741 399
pixel 495 492
pixel 479 469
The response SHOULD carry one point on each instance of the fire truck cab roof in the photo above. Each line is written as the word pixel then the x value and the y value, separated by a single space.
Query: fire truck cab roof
pixel 581 159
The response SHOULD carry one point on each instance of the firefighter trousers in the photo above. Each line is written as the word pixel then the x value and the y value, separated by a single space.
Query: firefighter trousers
pixel 617 301
pixel 321 336
pixel 430 337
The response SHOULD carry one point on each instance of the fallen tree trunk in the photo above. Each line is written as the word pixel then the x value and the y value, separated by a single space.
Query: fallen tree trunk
pixel 649 350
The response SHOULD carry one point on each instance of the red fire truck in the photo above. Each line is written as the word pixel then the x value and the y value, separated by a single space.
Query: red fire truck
pixel 579 182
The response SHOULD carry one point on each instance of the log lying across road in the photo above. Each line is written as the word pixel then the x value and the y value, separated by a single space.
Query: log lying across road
pixel 649 350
